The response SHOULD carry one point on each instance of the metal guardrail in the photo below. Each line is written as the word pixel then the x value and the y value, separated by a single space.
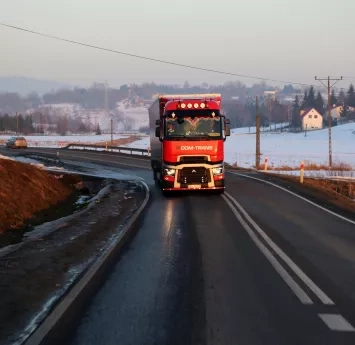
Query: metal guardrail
pixel 49 157
pixel 111 149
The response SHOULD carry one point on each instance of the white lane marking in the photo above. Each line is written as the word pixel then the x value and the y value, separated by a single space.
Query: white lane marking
pixel 296 195
pixel 311 285
pixel 336 322
pixel 297 290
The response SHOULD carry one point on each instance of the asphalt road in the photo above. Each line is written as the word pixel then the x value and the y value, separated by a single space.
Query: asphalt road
pixel 255 266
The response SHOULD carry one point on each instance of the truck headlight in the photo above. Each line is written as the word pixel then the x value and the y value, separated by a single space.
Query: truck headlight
pixel 217 171
pixel 169 172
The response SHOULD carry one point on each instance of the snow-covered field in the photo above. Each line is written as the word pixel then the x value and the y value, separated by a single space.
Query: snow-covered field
pixel 289 149
pixel 135 117
pixel 56 141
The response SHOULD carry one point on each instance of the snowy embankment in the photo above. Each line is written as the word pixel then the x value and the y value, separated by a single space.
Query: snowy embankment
pixel 57 141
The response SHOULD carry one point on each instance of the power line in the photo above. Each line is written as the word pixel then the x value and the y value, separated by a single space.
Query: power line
pixel 151 59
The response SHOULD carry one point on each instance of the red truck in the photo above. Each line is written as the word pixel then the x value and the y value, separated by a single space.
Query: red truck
pixel 187 134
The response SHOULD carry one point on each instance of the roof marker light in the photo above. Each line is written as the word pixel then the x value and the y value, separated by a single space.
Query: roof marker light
pixel 196 105
pixel 183 105
pixel 202 105
pixel 189 105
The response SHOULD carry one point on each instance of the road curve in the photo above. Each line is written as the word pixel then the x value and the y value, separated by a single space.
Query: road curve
pixel 255 266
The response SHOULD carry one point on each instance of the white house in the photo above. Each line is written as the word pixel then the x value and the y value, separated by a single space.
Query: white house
pixel 311 119
pixel 336 111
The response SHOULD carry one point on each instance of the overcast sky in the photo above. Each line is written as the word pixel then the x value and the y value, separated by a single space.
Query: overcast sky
pixel 278 39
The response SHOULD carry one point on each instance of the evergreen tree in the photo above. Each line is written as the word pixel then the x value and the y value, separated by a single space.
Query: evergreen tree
pixel 333 98
pixel 319 103
pixel 296 118
pixel 350 96
pixel 186 85
pixel 305 100
pixel 341 98
pixel 311 100
pixel 98 130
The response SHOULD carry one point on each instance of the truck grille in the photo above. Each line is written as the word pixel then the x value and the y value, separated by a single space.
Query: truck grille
pixel 193 159
pixel 194 175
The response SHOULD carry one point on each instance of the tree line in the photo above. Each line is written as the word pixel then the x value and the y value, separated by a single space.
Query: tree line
pixel 236 95
pixel 99 96
pixel 39 123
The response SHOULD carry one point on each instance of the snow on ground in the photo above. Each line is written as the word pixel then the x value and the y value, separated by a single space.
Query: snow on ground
pixel 139 144
pixel 59 141
pixel 324 174
pixel 5 157
pixel 289 149
pixel 252 129
pixel 136 117
pixel 286 149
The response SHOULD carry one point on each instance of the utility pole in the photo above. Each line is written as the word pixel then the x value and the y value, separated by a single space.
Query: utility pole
pixel 257 151
pixel 106 97
pixel 16 123
pixel 328 86
pixel 111 131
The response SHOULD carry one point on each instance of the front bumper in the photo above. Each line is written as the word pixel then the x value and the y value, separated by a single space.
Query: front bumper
pixel 170 185
pixel 192 177
pixel 192 189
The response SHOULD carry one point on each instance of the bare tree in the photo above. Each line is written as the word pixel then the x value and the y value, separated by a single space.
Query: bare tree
pixel 128 123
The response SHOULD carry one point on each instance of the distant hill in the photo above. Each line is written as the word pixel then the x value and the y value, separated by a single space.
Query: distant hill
pixel 24 86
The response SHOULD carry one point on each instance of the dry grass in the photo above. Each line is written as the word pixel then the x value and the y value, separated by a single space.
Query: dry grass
pixel 26 190
pixel 310 166
pixel 340 192
pixel 345 188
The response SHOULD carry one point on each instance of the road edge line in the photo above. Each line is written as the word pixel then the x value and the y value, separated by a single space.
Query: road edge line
pixel 296 195
pixel 280 270
pixel 56 326
pixel 323 297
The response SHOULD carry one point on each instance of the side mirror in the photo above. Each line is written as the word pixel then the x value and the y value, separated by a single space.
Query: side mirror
pixel 157 122
pixel 227 131
pixel 157 131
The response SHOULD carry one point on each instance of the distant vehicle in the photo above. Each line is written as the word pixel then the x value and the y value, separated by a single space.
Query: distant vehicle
pixel 16 143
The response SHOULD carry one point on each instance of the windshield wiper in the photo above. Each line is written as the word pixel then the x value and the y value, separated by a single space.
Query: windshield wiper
pixel 178 136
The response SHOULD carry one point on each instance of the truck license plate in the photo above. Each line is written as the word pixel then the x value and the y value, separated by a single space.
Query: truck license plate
pixel 194 186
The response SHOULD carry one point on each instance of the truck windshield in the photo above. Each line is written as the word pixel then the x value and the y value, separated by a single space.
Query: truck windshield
pixel 193 127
